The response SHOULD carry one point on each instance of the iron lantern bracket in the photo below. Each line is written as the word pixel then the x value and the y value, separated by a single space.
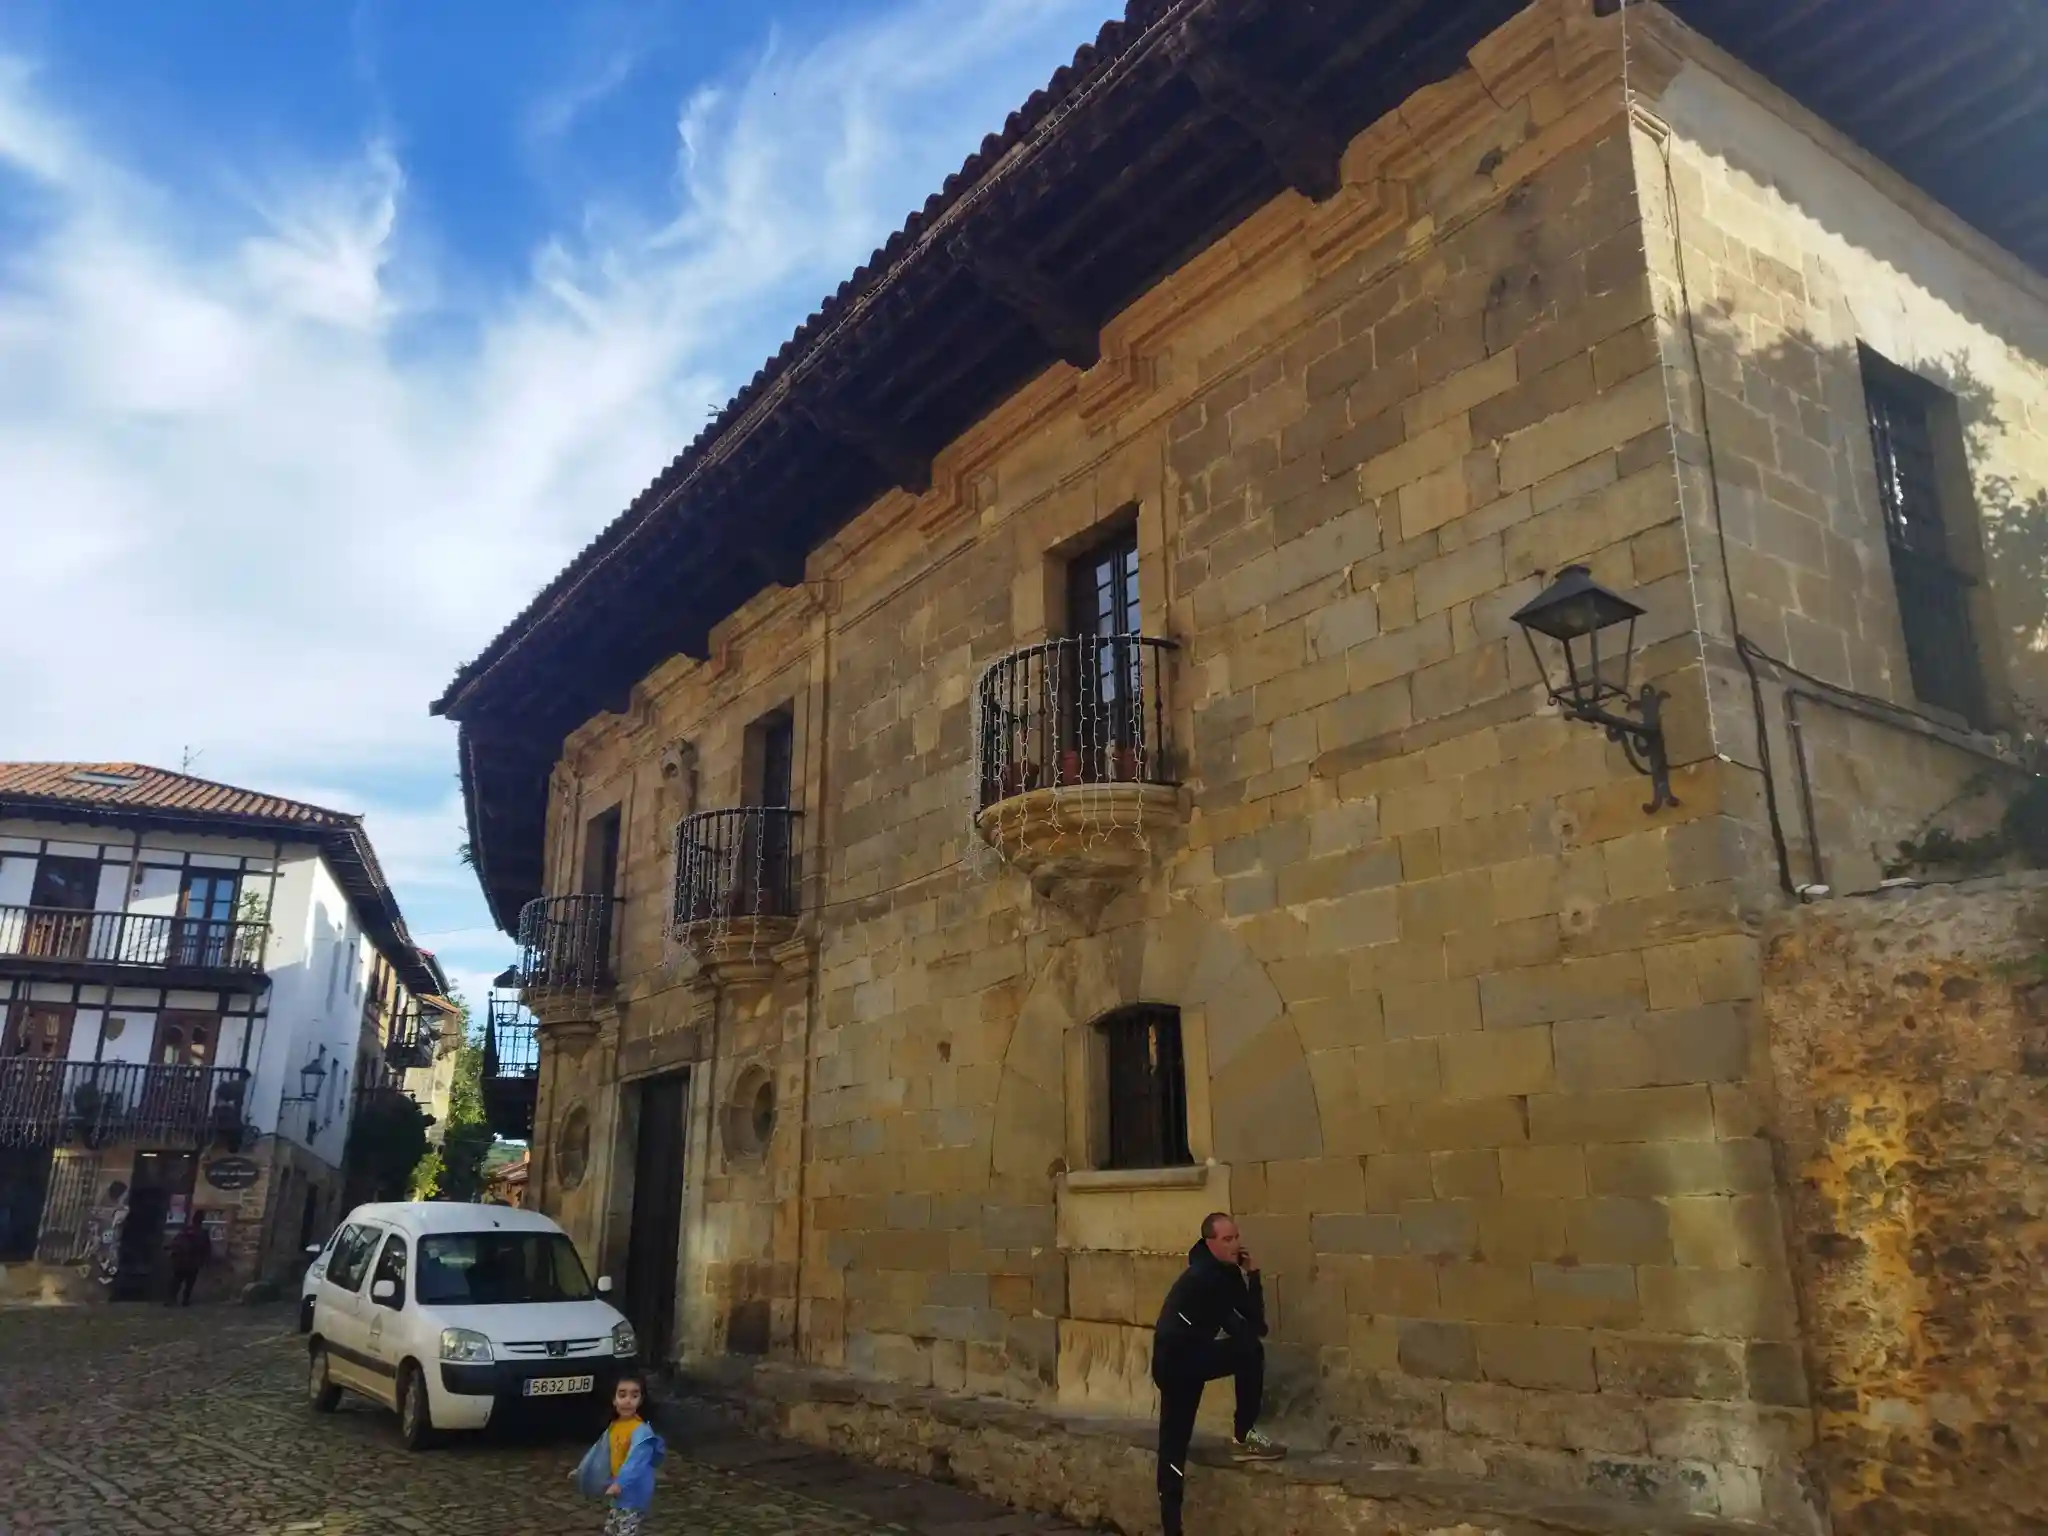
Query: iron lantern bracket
pixel 1640 737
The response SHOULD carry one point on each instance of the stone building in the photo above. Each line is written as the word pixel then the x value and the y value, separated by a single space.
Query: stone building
pixel 1060 753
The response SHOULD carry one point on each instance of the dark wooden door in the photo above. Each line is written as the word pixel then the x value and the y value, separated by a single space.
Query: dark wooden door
pixel 657 1230
pixel 24 1182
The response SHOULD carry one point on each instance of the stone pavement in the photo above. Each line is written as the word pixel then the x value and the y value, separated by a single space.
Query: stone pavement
pixel 138 1419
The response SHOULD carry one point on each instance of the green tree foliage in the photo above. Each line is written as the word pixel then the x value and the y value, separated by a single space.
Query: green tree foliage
pixel 385 1144
pixel 455 1170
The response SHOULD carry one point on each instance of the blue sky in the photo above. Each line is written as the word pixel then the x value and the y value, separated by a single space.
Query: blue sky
pixel 328 332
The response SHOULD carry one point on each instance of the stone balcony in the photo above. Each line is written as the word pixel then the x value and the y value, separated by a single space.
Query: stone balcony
pixel 1076 764
pixel 738 891
pixel 564 972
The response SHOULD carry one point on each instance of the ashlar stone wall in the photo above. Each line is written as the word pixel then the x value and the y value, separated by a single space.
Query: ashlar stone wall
pixel 1778 251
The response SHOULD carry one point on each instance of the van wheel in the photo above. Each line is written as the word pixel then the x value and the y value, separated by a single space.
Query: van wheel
pixel 321 1392
pixel 415 1416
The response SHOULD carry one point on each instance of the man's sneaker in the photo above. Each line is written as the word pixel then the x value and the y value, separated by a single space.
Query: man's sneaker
pixel 1255 1447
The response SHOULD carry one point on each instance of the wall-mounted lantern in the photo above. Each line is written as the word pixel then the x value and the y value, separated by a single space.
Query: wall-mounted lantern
pixel 1575 611
pixel 312 1077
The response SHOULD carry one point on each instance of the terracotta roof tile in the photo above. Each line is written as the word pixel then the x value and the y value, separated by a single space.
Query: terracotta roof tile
pixel 136 786
pixel 115 788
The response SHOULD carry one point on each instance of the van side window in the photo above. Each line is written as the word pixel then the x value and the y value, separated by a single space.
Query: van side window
pixel 351 1259
pixel 391 1266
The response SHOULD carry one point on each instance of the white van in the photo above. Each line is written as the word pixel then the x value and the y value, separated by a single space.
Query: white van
pixel 452 1313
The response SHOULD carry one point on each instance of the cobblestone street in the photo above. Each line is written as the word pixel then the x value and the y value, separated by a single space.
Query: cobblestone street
pixel 139 1419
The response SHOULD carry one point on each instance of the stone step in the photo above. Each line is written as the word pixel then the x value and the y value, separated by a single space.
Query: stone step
pixel 1032 1465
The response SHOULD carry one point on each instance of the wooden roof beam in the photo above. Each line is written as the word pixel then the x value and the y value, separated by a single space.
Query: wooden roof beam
pixel 907 467
pixel 777 566
pixel 1308 156
pixel 1021 286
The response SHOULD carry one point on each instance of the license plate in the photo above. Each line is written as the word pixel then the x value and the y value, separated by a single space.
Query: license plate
pixel 558 1386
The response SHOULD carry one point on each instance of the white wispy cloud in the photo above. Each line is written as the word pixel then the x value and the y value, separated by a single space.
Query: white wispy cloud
pixel 271 467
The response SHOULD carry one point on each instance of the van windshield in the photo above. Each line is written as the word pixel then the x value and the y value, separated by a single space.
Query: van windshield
pixel 483 1269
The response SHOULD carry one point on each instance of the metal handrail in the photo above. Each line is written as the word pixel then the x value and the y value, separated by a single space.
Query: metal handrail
pixel 1084 709
pixel 510 1080
pixel 566 941
pixel 741 863
pixel 45 1103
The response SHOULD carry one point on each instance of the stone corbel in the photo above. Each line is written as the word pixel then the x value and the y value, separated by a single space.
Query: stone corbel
pixel 1081 846
pixel 1122 377
pixel 747 955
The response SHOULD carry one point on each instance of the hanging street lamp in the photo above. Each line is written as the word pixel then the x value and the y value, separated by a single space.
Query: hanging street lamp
pixel 1574 612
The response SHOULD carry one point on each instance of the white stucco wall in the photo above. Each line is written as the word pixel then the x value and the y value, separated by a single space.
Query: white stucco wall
pixel 318 959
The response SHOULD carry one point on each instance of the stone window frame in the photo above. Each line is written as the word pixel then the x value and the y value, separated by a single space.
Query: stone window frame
pixel 1042 609
pixel 1087 1105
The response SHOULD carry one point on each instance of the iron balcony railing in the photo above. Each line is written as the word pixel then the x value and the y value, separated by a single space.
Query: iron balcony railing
pixel 415 1033
pixel 565 942
pixel 1089 709
pixel 47 1103
pixel 737 864
pixel 138 939
pixel 511 1074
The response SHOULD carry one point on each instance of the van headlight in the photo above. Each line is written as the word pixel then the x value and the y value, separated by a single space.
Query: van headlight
pixel 463 1346
pixel 625 1341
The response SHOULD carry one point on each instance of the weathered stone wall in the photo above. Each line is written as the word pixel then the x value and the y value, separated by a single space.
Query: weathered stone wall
pixel 1777 249
pixel 1909 1039
pixel 1471 1039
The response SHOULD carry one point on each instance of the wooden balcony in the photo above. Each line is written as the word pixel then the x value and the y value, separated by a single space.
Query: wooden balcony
pixel 113 948
pixel 414 1036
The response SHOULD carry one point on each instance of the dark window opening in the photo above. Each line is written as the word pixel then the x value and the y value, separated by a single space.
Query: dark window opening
pixel 1148 1094
pixel 1912 424
pixel 601 854
pixel 66 884
pixel 771 760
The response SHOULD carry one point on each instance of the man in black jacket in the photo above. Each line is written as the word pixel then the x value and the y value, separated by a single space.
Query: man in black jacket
pixel 1218 1293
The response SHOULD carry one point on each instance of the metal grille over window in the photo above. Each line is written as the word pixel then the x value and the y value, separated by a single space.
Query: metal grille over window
pixel 1934 596
pixel 1148 1095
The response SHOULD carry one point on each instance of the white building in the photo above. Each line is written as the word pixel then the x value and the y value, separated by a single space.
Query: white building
pixel 201 986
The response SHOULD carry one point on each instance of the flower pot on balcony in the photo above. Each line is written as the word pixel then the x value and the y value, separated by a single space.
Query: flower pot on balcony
pixel 1070 767
pixel 1124 765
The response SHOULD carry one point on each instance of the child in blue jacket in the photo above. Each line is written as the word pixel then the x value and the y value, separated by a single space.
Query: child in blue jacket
pixel 620 1467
